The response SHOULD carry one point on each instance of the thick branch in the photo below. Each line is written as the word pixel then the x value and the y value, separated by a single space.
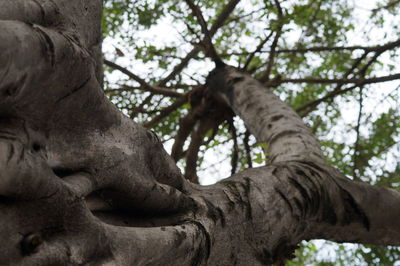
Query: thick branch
pixel 266 116
pixel 377 206
pixel 332 206
pixel 186 125
pixel 192 154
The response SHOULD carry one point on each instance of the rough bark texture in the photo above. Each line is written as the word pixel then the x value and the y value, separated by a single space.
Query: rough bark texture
pixel 80 183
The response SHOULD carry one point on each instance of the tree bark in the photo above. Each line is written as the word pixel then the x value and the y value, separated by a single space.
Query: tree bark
pixel 80 183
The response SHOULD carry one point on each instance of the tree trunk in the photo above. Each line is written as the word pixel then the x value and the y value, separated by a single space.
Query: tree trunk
pixel 80 183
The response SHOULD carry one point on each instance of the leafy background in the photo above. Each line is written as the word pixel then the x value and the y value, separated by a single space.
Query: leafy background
pixel 318 55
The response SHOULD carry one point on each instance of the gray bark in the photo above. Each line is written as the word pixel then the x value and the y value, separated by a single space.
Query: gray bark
pixel 80 183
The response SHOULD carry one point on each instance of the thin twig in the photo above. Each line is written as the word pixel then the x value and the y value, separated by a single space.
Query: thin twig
pixel 386 46
pixel 138 79
pixel 238 18
pixel 155 90
pixel 387 6
pixel 360 73
pixel 209 48
pixel 166 111
pixel 274 44
pixel 137 110
pixel 358 82
pixel 339 86
pixel 257 50
pixel 343 81
pixel 357 142
pixel 373 48
pixel 228 9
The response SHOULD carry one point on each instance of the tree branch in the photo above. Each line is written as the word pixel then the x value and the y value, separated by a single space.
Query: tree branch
pixel 154 90
pixel 358 82
pixel 374 48
pixel 344 81
pixel 257 50
pixel 298 173
pixel 357 142
pixel 360 73
pixel 219 22
pixel 270 120
pixel 192 153
pixel 274 44
pixel 378 212
pixel 208 44
pixel 144 85
pixel 166 111
pixel 235 149
pixel 247 148
pixel 387 6
pixel 186 125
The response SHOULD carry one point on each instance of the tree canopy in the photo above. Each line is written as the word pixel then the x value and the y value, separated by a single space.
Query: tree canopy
pixel 334 62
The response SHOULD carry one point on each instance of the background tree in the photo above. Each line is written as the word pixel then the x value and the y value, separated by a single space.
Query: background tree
pixel 81 183
pixel 327 59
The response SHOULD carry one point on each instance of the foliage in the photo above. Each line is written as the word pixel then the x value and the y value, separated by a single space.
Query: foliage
pixel 317 49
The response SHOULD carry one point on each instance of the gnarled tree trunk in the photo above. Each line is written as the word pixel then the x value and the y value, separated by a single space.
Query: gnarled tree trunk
pixel 80 183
